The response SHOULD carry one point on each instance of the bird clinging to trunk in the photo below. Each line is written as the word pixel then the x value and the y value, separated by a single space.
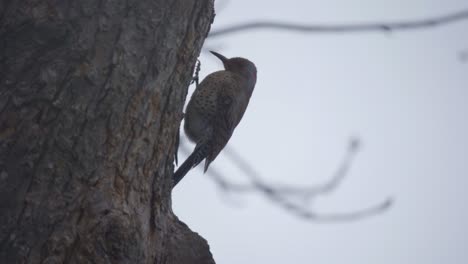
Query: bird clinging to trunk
pixel 215 109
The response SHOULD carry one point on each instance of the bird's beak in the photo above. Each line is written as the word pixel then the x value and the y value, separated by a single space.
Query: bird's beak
pixel 221 57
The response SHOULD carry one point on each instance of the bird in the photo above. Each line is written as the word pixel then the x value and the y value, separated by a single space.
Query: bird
pixel 215 109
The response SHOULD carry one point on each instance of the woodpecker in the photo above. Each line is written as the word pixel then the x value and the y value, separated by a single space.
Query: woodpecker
pixel 215 109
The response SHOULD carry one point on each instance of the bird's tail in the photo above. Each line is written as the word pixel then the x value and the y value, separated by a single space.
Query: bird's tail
pixel 193 160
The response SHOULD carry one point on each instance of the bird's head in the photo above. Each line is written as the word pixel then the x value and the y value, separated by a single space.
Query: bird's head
pixel 241 66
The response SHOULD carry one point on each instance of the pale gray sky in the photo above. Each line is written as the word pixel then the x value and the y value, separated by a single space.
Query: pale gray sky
pixel 405 94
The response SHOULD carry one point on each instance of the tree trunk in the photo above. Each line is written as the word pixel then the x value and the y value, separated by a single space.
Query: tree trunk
pixel 91 97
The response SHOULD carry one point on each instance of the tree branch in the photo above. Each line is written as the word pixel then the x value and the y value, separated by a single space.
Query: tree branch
pixel 344 28
pixel 286 196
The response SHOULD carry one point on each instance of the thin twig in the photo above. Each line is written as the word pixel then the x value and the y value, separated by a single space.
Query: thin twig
pixel 344 28
pixel 307 192
pixel 282 195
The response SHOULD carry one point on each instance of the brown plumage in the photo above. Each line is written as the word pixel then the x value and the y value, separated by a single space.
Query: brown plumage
pixel 215 109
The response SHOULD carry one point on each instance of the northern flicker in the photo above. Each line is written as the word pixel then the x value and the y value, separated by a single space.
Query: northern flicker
pixel 215 109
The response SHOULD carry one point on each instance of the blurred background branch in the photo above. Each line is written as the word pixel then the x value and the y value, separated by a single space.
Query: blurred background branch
pixel 343 28
pixel 294 199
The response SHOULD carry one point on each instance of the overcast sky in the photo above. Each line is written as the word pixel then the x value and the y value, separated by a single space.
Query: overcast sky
pixel 405 94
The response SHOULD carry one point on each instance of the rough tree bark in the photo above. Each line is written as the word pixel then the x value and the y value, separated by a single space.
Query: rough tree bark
pixel 91 96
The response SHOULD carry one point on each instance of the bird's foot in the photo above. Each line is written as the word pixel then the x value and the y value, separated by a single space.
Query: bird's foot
pixel 195 78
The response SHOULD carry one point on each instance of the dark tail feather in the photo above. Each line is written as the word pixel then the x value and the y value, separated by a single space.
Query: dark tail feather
pixel 193 160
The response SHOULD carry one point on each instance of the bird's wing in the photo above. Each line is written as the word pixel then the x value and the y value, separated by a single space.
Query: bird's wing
pixel 224 122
